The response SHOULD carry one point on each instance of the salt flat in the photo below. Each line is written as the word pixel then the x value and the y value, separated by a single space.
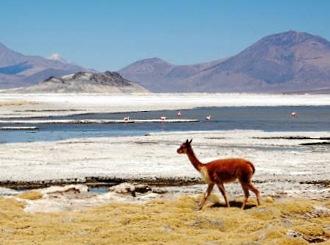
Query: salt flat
pixel 24 105
pixel 281 164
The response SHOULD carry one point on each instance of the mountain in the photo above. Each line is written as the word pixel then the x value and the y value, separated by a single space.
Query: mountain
pixel 17 70
pixel 160 76
pixel 84 82
pixel 283 62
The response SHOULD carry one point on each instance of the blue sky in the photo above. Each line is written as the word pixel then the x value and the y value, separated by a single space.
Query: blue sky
pixel 109 34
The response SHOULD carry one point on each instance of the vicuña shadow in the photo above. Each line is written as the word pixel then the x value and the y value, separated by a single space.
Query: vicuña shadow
pixel 236 204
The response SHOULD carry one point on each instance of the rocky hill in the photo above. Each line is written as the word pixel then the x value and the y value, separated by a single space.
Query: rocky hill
pixel 284 62
pixel 85 82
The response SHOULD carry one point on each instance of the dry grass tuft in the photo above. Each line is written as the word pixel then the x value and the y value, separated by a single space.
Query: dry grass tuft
pixel 30 195
pixel 165 222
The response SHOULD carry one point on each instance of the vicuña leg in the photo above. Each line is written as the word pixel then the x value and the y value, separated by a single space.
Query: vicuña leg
pixel 245 188
pixel 255 191
pixel 206 195
pixel 223 192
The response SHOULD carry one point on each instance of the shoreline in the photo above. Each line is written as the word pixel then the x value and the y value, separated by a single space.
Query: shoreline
pixel 102 181
pixel 98 121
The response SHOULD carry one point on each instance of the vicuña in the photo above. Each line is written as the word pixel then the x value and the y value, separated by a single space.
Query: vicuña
pixel 222 171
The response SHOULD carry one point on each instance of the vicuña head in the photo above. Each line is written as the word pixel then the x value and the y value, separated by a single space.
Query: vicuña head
pixel 183 147
pixel 222 171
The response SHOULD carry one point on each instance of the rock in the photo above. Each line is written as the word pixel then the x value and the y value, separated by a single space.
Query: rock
pixel 123 188
pixel 68 191
pixel 158 190
pixel 141 188
pixel 128 188
pixel 292 233
pixel 320 212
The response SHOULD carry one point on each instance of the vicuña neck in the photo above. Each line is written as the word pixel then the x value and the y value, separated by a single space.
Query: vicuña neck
pixel 193 159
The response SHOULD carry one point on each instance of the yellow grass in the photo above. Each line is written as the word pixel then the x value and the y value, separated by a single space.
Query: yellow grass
pixel 13 103
pixel 30 195
pixel 165 222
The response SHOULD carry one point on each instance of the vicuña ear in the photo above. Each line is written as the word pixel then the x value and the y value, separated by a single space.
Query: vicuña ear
pixel 190 141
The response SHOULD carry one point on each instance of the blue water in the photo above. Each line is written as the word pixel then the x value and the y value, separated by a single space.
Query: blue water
pixel 310 118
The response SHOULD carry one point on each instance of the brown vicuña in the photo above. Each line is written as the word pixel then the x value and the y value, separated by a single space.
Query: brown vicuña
pixel 222 171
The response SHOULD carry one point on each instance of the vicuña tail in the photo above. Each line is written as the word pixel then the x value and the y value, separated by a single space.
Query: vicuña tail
pixel 252 166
